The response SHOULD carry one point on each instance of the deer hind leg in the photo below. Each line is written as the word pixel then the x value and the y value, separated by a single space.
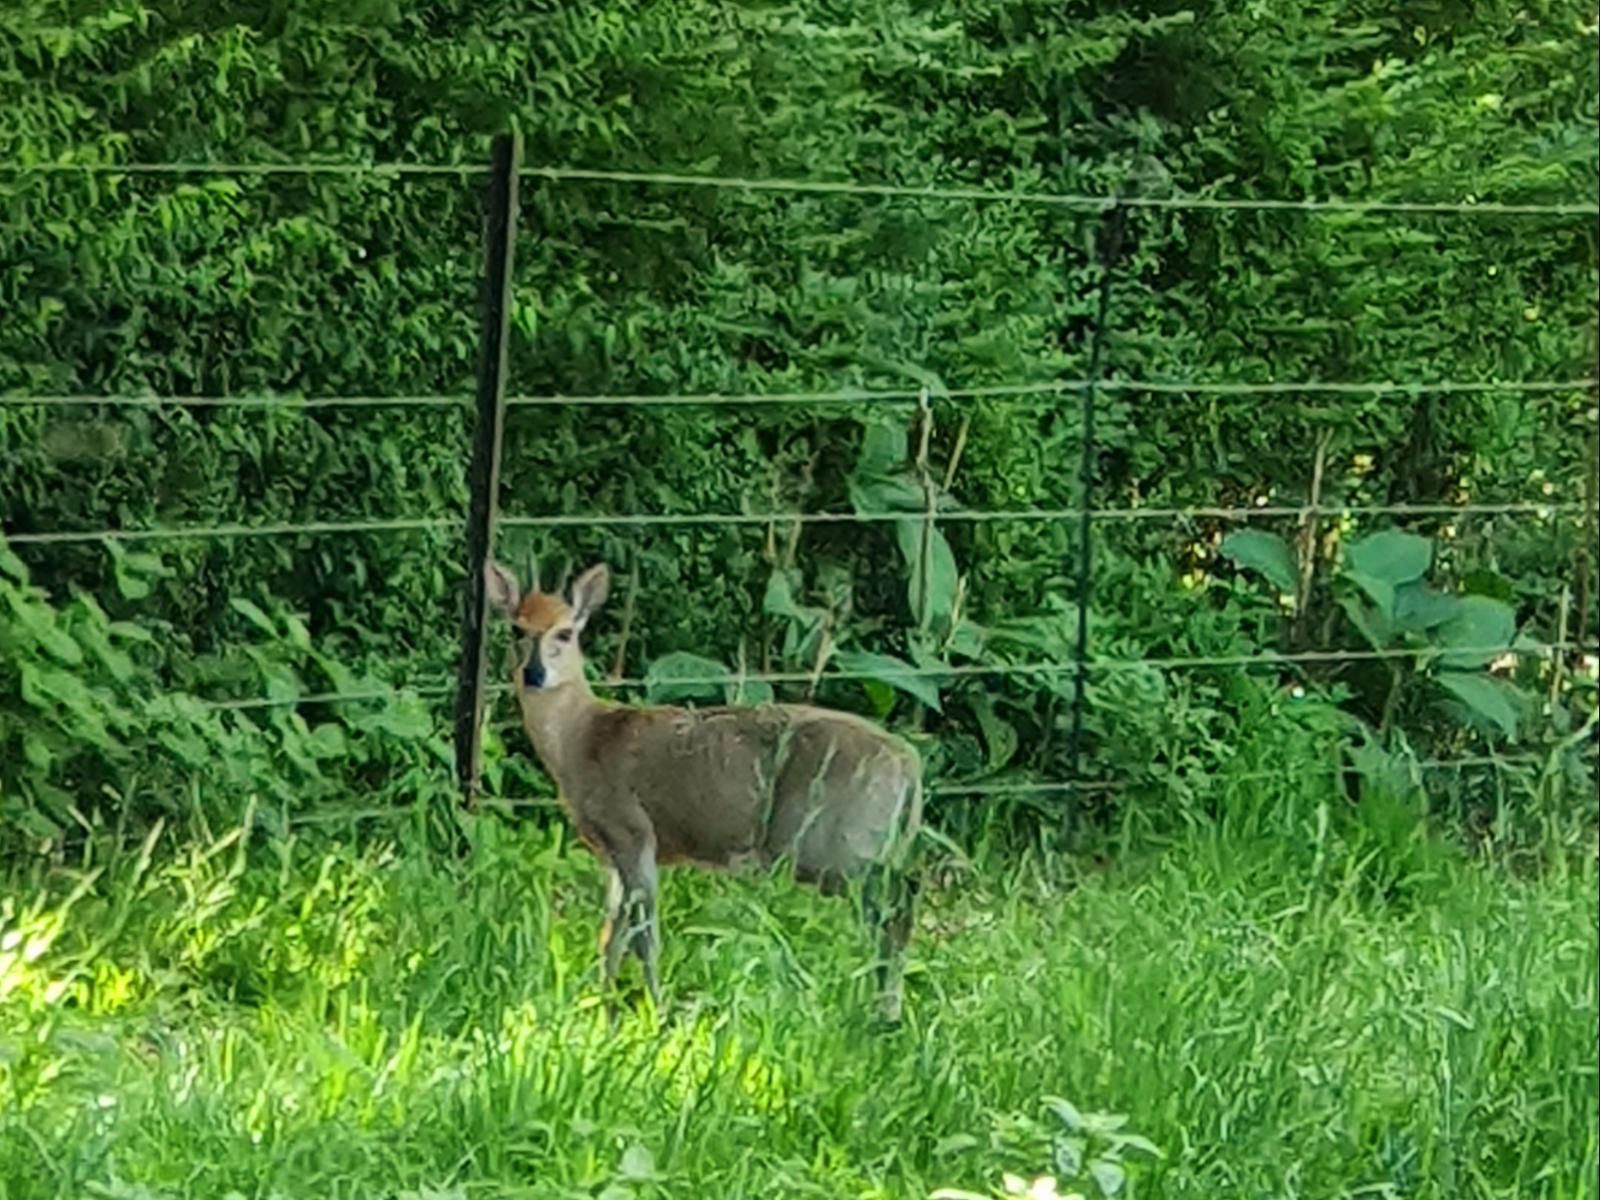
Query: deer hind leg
pixel 644 924
pixel 631 925
pixel 889 898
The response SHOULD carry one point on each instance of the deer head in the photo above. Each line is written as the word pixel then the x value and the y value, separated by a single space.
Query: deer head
pixel 547 652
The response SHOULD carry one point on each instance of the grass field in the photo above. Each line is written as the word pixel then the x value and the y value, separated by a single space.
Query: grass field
pixel 338 1017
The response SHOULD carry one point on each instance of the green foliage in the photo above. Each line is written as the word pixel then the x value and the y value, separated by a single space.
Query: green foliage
pixel 366 284
pixel 1082 1147
pixel 93 738
pixel 1429 637
pixel 1264 552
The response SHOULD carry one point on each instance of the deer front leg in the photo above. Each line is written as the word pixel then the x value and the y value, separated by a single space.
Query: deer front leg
pixel 612 946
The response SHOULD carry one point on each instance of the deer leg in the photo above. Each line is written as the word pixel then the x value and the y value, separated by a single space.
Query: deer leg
pixel 643 935
pixel 611 945
pixel 889 905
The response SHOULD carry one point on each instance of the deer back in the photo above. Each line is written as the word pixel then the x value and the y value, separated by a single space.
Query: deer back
pixel 724 785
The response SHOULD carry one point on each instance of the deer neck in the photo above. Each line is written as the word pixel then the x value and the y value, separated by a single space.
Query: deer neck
pixel 556 719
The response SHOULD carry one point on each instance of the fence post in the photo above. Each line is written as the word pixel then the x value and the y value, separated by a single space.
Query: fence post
pixel 1108 239
pixel 500 229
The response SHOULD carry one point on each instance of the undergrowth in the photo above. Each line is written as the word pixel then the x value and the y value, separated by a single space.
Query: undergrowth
pixel 251 1014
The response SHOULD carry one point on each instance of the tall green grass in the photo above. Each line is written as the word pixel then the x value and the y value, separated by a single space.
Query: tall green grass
pixel 355 1017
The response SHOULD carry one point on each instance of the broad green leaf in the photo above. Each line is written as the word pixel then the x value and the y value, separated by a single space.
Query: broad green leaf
pixel 1390 555
pixel 37 751
pixel 407 718
pixel 638 1163
pixel 1481 629
pixel 887 493
pixel 895 672
pixel 299 636
pixel 1108 1175
pixel 779 597
pixel 1418 607
pixel 1104 1123
pixel 133 570
pixel 130 585
pixel 51 689
pixel 1067 1113
pixel 967 639
pixel 883 447
pixel 1132 1141
pixel 1373 626
pixel 326 741
pixel 1488 583
pixel 939 578
pixel 339 675
pixel 880 695
pixel 185 746
pixel 1266 553
pixel 1379 591
pixel 1067 1153
pixel 37 622
pixel 684 676
pixel 750 691
pixel 1484 695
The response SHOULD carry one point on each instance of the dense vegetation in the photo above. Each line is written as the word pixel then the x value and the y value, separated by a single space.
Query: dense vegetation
pixel 290 892
pixel 332 285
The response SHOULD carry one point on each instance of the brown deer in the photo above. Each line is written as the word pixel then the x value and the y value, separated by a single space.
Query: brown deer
pixel 837 797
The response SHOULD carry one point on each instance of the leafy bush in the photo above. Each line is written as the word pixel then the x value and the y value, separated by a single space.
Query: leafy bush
pixel 94 740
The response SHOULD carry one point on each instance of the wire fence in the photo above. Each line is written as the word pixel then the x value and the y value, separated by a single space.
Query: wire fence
pixel 1537 508
pixel 1025 788
pixel 824 187
pixel 441 686
pixel 1082 665
pixel 1043 389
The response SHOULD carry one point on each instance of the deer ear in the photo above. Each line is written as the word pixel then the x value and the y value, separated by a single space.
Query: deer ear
pixel 501 589
pixel 589 592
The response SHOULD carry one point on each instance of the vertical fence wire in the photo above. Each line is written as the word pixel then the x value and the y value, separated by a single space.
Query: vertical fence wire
pixel 1108 242
pixel 500 235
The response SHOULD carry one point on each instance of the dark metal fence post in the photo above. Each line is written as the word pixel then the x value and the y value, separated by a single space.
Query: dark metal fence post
pixel 500 230
pixel 1109 243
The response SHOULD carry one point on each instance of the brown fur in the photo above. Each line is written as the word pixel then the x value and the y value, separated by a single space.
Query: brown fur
pixel 539 612
pixel 833 794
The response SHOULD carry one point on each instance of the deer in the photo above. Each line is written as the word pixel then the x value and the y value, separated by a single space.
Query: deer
pixel 833 795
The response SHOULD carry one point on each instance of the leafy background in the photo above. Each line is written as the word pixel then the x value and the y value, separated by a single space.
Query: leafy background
pixel 366 284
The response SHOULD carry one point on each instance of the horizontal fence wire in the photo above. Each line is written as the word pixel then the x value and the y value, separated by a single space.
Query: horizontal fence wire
pixel 981 516
pixel 1047 787
pixel 869 396
pixel 1537 508
pixel 425 689
pixel 1077 201
pixel 191 532
pixel 1501 762
pixel 268 402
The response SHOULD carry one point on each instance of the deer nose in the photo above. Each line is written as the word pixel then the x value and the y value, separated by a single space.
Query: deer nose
pixel 533 674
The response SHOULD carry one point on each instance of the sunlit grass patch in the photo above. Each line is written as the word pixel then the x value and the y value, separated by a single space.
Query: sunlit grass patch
pixel 368 1020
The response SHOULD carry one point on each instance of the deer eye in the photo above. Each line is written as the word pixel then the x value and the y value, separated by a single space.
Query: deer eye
pixel 563 636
